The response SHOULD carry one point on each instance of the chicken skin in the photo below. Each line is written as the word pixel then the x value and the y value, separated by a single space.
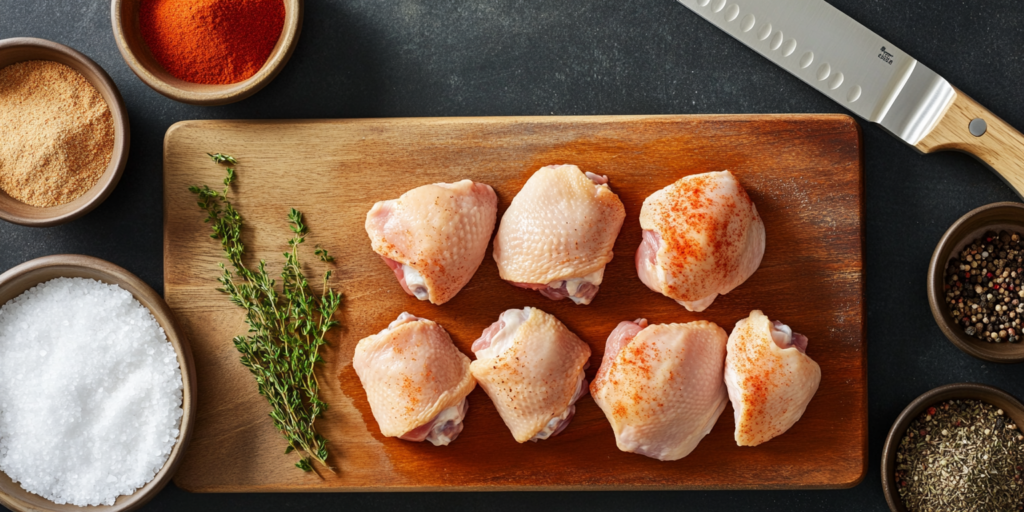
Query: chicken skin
pixel 769 376
pixel 702 237
pixel 415 380
pixel 434 237
pixel 558 233
pixel 660 386
pixel 531 366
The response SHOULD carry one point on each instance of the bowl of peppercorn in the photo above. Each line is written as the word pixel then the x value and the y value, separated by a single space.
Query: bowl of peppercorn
pixel 976 283
pixel 954 448
pixel 206 52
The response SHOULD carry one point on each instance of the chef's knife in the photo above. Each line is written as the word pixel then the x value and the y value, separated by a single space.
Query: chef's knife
pixel 868 75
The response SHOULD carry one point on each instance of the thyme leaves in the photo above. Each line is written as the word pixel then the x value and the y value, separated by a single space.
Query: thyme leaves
pixel 286 327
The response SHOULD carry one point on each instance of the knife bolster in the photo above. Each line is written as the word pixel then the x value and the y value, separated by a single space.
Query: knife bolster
pixel 1001 146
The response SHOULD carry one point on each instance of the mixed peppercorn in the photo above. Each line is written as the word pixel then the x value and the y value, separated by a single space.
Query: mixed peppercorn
pixel 983 287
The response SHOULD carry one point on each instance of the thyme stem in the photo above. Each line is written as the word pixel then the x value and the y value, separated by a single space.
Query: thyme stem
pixel 286 329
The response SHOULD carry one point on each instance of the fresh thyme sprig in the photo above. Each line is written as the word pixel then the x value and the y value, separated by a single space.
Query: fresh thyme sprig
pixel 221 158
pixel 286 329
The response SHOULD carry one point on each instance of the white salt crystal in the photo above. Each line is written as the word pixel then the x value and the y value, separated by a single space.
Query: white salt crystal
pixel 87 413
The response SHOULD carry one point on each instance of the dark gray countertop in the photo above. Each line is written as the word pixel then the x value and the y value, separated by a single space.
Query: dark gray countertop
pixel 409 58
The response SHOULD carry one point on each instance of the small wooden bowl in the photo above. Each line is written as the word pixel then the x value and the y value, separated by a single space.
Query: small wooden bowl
pixel 20 49
pixel 992 217
pixel 988 394
pixel 124 15
pixel 25 276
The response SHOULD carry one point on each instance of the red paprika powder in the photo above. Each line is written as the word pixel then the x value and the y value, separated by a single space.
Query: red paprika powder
pixel 211 41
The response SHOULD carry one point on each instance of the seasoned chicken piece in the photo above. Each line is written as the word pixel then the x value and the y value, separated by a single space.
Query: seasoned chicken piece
pixel 434 237
pixel 557 235
pixel 532 368
pixel 702 237
pixel 769 376
pixel 415 380
pixel 660 386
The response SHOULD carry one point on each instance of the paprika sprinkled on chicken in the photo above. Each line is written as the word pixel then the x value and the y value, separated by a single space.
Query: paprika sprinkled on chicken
pixel 660 386
pixel 434 237
pixel 415 380
pixel 769 376
pixel 557 235
pixel 702 238
pixel 531 365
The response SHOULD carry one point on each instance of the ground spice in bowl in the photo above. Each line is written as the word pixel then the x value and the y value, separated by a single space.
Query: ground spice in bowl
pixel 983 287
pixel 57 133
pixel 211 41
pixel 961 455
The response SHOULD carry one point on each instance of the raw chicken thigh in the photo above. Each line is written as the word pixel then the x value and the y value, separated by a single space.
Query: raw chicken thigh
pixel 702 237
pixel 770 378
pixel 434 237
pixel 661 386
pixel 415 380
pixel 531 366
pixel 558 233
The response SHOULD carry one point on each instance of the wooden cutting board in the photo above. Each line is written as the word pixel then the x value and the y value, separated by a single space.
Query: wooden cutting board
pixel 804 172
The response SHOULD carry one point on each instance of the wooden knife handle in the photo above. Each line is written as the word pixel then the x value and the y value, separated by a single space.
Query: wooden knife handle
pixel 1001 146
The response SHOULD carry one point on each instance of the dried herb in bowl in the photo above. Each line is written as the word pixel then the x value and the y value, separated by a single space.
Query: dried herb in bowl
pixel 286 328
pixel 983 287
pixel 961 455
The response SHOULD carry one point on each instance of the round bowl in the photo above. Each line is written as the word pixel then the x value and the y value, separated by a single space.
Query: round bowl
pixel 992 217
pixel 20 49
pixel 997 397
pixel 25 276
pixel 124 15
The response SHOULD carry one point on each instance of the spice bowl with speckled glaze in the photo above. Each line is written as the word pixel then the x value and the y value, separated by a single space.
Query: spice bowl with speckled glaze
pixel 995 217
pixel 961 391
pixel 20 49
pixel 124 15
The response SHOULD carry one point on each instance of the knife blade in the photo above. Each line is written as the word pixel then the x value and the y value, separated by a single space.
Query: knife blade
pixel 870 76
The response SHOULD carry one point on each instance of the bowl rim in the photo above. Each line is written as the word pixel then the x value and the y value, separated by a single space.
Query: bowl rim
pixel 962 390
pixel 114 274
pixel 122 133
pixel 219 94
pixel 936 300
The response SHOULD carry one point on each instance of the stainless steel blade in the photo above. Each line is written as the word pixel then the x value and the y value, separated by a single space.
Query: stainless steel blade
pixel 839 57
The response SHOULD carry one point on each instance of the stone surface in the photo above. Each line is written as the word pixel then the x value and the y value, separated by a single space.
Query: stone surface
pixel 408 58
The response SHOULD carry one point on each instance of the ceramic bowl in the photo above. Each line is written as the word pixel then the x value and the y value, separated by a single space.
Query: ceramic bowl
pixel 20 49
pixel 25 276
pixel 993 217
pixel 997 397
pixel 124 15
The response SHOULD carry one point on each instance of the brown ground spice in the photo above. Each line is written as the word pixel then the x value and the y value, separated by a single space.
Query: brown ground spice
pixel 58 134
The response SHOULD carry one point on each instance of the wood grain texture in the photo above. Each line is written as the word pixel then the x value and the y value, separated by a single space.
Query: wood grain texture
pixel 1001 147
pixel 803 172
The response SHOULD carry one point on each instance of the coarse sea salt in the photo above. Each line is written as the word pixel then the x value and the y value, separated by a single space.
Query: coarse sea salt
pixel 90 392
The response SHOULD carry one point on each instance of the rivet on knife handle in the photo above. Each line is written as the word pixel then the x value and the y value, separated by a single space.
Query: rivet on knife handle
pixel 999 145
